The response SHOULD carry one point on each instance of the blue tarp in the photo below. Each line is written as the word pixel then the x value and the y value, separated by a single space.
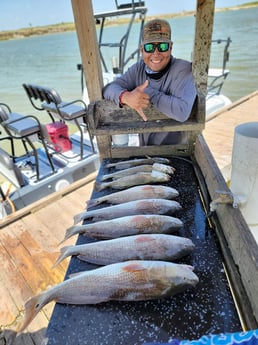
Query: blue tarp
pixel 241 338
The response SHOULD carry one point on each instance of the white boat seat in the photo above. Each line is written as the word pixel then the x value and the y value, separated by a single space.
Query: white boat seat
pixel 48 99
pixel 68 111
pixel 22 125
pixel 25 128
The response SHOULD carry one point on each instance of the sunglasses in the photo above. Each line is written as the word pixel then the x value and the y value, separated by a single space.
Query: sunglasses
pixel 162 47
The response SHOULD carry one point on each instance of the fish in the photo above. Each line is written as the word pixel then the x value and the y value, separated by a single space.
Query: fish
pixel 127 226
pixel 138 247
pixel 136 193
pixel 134 280
pixel 139 168
pixel 167 169
pixel 139 178
pixel 126 172
pixel 143 206
pixel 134 162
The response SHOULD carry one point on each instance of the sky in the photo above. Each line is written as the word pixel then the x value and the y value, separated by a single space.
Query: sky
pixel 16 14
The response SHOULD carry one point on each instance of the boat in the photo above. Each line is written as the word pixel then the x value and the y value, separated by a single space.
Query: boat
pixel 52 158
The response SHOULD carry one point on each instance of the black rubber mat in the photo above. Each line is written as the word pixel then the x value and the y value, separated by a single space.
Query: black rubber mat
pixel 208 308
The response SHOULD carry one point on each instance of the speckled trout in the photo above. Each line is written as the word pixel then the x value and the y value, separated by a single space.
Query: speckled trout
pixel 127 226
pixel 138 247
pixel 143 206
pixel 127 281
pixel 134 162
pixel 139 178
pixel 167 169
pixel 136 193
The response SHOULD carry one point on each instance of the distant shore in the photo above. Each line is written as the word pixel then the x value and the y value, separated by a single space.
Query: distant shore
pixel 65 27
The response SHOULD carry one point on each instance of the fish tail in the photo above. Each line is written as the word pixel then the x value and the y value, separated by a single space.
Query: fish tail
pixel 64 254
pixel 93 203
pixel 104 177
pixel 77 218
pixel 32 308
pixel 69 233
pixel 99 186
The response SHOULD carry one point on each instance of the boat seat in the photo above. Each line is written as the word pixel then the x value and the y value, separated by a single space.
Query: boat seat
pixel 48 99
pixel 26 128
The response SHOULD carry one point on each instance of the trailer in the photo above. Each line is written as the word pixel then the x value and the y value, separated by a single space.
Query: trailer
pixel 225 256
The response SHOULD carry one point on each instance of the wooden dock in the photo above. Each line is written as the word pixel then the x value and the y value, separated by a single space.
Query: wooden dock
pixel 29 239
pixel 29 246
pixel 219 130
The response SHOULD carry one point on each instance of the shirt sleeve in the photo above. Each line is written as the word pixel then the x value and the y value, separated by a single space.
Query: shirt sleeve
pixel 127 81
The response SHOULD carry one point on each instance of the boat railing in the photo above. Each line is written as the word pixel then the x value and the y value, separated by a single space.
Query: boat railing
pixel 134 11
pixel 218 75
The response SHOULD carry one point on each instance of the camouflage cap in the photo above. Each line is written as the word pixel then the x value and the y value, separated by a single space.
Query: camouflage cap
pixel 156 30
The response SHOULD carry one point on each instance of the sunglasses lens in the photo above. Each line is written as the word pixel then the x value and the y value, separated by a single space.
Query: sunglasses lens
pixel 150 47
pixel 163 47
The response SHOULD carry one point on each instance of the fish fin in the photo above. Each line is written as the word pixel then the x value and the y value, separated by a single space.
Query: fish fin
pixel 134 266
pixel 62 256
pixel 32 308
pixel 191 268
pixel 76 274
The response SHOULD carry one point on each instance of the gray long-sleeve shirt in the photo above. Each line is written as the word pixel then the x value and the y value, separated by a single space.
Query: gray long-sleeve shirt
pixel 173 93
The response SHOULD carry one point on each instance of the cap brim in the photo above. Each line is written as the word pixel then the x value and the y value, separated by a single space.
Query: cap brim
pixel 154 40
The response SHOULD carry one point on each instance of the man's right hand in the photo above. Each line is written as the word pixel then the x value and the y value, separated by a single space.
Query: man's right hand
pixel 137 99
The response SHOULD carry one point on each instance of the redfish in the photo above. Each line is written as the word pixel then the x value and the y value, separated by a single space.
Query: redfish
pixel 138 247
pixel 143 206
pixel 127 281
pixel 136 193
pixel 127 226
pixel 139 178
pixel 139 168
pixel 134 162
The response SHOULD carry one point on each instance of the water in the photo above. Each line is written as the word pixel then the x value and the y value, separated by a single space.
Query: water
pixel 52 60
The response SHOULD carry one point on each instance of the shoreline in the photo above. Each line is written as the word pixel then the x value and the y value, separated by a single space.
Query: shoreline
pixel 68 27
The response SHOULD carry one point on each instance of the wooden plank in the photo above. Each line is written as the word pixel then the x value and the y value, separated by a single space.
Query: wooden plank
pixel 163 150
pixel 30 269
pixel 220 129
pixel 11 276
pixel 87 37
pixel 240 240
pixel 8 309
pixel 202 44
pixel 27 253
pixel 47 200
pixel 109 120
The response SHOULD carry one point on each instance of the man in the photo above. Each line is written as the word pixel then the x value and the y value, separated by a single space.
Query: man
pixel 158 78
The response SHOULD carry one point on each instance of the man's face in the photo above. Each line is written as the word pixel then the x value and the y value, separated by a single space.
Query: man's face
pixel 156 60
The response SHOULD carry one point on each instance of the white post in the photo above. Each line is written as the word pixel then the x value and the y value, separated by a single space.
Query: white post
pixel 244 175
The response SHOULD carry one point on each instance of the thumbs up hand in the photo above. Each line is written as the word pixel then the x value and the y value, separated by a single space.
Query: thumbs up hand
pixel 137 99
